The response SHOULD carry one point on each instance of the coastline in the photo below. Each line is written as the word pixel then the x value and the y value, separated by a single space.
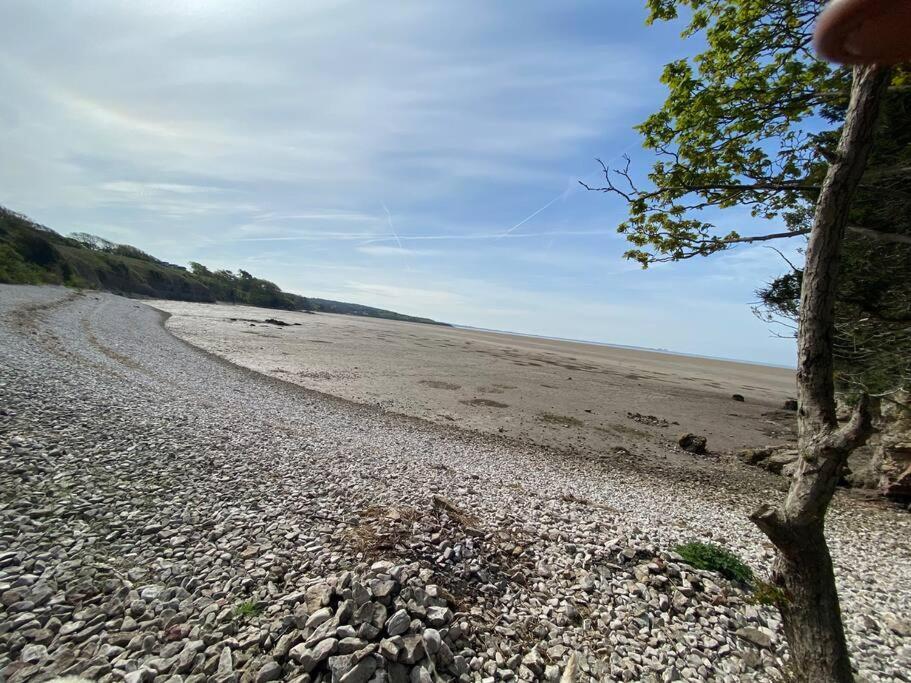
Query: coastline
pixel 566 394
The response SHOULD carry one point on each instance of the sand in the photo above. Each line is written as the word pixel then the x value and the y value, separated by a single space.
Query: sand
pixel 566 395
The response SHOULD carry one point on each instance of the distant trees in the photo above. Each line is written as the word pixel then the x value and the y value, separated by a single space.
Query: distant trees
pixel 756 121
pixel 243 288
pixel 31 254
pixel 96 243
pixel 239 288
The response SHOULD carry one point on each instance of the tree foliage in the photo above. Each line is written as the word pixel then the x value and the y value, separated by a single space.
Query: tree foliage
pixel 873 313
pixel 243 288
pixel 751 121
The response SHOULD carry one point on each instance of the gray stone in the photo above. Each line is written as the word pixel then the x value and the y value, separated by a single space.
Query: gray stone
pixel 348 645
pixel 310 657
pixel 225 662
pixel 432 641
pixel 142 675
pixel 270 671
pixel 420 674
pixel 412 649
pixel 362 671
pixel 318 617
pixel 398 623
pixel 754 636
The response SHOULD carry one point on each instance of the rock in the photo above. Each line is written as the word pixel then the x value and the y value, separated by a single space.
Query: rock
pixel 754 636
pixel 352 644
pixel 900 627
pixel 150 593
pixel 318 596
pixel 318 617
pixel 33 654
pixel 398 623
pixel 225 662
pixel 270 671
pixel 339 665
pixel 892 447
pixel 142 675
pixel 439 616
pixel 790 404
pixel 412 649
pixel 432 641
pixel 692 443
pixel 361 672
pixel 754 456
pixel 308 657
pixel 14 595
pixel 738 397
pixel 779 460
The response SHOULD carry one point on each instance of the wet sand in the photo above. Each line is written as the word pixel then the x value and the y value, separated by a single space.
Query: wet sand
pixel 567 395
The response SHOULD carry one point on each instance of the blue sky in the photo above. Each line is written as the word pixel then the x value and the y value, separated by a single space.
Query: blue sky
pixel 419 156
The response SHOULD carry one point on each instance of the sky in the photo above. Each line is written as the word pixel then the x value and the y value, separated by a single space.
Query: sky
pixel 418 156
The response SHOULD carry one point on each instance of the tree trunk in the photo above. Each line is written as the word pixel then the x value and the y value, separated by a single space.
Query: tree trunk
pixel 803 570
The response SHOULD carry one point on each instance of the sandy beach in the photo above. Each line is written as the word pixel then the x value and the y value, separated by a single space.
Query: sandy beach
pixel 561 394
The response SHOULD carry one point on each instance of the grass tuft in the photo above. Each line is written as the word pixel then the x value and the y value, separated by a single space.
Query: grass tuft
pixel 717 559
pixel 247 609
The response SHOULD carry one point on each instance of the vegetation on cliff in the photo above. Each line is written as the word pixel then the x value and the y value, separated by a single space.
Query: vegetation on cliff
pixel 31 253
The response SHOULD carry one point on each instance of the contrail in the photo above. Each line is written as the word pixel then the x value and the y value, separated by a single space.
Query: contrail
pixel 391 227
pixel 562 195
pixel 529 217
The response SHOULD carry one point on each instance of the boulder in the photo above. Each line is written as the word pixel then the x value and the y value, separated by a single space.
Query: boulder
pixel 753 456
pixel 738 397
pixel 692 443
pixel 780 461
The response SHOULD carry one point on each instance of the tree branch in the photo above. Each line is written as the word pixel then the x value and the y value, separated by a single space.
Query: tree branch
pixel 771 522
pixel 881 236
pixel 763 238
pixel 857 430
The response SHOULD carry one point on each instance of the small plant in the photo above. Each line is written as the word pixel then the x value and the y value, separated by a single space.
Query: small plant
pixel 717 559
pixel 247 609
pixel 768 594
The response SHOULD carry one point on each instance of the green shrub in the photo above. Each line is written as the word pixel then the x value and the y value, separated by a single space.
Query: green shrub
pixel 717 559
pixel 765 593
pixel 15 270
pixel 247 609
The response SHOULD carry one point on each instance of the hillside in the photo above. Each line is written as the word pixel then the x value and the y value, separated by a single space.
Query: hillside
pixel 31 253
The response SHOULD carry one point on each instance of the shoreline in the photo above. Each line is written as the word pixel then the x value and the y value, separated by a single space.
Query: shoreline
pixel 571 395
pixel 629 347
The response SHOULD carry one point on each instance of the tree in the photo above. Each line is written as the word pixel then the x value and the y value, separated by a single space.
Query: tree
pixel 872 343
pixel 93 241
pixel 749 122
pixel 199 270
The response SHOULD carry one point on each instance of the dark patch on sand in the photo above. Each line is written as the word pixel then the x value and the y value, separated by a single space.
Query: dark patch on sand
pixel 486 402
pixel 562 420
pixel 436 384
